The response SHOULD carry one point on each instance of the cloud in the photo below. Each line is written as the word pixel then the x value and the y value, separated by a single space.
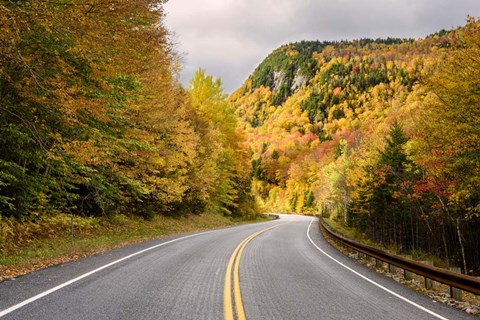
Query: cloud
pixel 229 38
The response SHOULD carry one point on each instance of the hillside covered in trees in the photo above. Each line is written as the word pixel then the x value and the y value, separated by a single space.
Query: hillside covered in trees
pixel 94 122
pixel 383 135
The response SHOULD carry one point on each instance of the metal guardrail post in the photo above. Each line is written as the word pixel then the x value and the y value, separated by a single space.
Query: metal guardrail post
pixel 392 269
pixel 429 283
pixel 407 275
pixel 455 293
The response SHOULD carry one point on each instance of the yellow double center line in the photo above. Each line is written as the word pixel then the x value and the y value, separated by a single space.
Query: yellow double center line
pixel 234 264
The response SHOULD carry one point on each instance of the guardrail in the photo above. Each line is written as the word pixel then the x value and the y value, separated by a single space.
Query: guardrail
pixel 450 278
pixel 272 215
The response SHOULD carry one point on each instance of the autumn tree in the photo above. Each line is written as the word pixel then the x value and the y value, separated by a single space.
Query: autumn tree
pixel 92 118
pixel 450 134
pixel 221 152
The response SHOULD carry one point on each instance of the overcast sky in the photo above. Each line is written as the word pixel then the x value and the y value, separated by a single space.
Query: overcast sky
pixel 229 38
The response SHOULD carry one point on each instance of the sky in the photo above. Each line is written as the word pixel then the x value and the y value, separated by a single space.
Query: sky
pixel 230 38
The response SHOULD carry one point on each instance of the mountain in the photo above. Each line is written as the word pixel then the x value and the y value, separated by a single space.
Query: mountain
pixel 382 135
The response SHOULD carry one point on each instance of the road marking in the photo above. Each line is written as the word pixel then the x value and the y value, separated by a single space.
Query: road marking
pixel 234 263
pixel 63 285
pixel 371 281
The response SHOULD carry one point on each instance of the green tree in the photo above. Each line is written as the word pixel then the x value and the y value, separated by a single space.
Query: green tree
pixel 386 195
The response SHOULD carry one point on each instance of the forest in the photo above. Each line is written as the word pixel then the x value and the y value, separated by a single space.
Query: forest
pixel 94 122
pixel 382 136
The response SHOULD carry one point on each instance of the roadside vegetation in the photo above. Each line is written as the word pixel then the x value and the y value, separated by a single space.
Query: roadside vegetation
pixel 95 128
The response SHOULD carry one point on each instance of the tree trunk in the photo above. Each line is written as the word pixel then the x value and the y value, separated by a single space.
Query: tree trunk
pixel 462 247
pixel 445 243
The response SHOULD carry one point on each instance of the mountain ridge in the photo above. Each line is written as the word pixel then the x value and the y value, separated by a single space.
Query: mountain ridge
pixel 375 129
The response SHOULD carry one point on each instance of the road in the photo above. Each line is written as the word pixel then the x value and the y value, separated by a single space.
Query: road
pixel 280 269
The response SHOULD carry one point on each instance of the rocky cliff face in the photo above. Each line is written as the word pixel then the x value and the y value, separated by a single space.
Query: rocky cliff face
pixel 286 70
pixel 299 81
pixel 278 80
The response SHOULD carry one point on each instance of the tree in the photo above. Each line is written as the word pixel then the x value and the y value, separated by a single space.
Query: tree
pixel 386 196
pixel 451 135
pixel 221 150
pixel 90 123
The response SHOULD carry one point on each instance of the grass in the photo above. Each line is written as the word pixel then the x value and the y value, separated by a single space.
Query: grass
pixel 31 250
pixel 350 233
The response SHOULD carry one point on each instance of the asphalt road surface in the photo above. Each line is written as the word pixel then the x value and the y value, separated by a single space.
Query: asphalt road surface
pixel 281 269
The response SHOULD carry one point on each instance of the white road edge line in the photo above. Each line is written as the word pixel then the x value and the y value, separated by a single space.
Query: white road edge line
pixel 371 281
pixel 45 293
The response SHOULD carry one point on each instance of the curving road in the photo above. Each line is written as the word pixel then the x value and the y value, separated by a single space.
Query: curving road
pixel 281 269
